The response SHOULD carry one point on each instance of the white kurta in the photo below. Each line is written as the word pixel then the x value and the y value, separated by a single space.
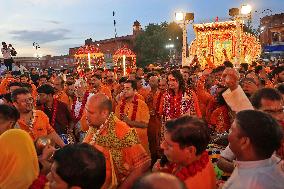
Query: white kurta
pixel 264 174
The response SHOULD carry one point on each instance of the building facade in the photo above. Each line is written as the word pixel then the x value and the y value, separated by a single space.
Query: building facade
pixel 272 30
pixel 109 46
pixel 45 62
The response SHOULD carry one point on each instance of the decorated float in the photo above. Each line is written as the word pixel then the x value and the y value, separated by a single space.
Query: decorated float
pixel 89 56
pixel 125 59
pixel 216 42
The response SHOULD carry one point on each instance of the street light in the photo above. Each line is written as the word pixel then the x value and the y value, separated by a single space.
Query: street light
pixel 179 16
pixel 170 47
pixel 183 19
pixel 239 15
pixel 246 9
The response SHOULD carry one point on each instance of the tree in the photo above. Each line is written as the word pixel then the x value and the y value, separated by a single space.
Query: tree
pixel 248 27
pixel 150 44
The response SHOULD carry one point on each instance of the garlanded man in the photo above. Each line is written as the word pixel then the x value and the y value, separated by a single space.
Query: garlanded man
pixel 58 113
pixel 35 122
pixel 78 106
pixel 185 143
pixel 177 101
pixel 126 159
pixel 134 112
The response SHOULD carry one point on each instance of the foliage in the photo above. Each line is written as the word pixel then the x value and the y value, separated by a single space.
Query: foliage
pixel 150 45
pixel 248 27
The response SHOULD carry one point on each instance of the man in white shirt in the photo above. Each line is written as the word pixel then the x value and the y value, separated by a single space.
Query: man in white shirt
pixel 254 137
pixel 7 56
pixel 267 100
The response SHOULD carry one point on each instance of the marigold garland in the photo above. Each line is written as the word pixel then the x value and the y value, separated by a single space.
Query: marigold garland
pixel 135 108
pixel 39 183
pixel 175 105
pixel 192 169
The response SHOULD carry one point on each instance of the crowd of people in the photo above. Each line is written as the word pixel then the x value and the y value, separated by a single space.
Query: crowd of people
pixel 176 127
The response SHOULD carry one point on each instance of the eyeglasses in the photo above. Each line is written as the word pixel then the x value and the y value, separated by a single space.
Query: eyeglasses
pixel 28 100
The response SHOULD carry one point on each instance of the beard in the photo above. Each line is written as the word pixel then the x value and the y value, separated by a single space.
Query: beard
pixel 109 81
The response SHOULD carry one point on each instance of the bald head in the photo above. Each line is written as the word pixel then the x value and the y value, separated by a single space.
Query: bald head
pixel 101 101
pixel 98 109
pixel 158 181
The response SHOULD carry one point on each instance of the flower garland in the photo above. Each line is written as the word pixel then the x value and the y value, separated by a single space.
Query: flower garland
pixel 192 169
pixel 109 120
pixel 39 183
pixel 84 101
pixel 54 112
pixel 175 106
pixel 135 108
pixel 191 101
pixel 31 121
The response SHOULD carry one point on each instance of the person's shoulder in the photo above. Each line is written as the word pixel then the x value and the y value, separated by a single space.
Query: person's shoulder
pixel 141 102
pixel 278 166
pixel 40 113
pixel 121 126
pixel 122 129
pixel 62 104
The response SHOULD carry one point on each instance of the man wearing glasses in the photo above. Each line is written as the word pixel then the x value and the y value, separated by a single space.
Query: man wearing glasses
pixel 35 122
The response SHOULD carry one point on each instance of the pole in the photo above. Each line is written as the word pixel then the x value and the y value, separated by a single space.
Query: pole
pixel 124 66
pixel 89 60
pixel 184 39
pixel 239 41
